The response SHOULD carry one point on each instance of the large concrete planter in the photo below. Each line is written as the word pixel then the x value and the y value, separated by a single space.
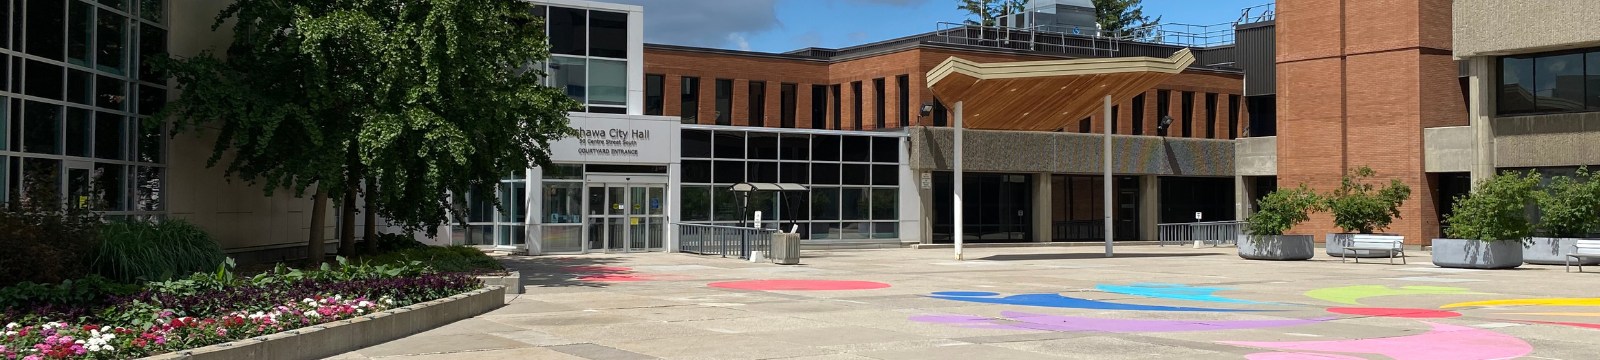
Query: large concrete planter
pixel 1277 247
pixel 339 337
pixel 1552 251
pixel 512 281
pixel 1336 242
pixel 1476 254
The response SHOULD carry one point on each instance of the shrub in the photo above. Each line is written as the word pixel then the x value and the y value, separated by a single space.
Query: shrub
pixel 1282 209
pixel 44 241
pixel 1570 207
pixel 397 242
pixel 1494 209
pixel 441 258
pixel 132 250
pixel 1359 207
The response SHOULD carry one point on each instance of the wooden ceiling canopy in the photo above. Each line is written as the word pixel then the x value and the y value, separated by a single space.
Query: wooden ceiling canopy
pixel 1045 95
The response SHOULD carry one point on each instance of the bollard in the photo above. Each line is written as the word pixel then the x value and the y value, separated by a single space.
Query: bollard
pixel 758 256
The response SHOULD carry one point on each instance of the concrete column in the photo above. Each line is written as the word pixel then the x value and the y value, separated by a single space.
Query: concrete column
pixel 1241 197
pixel 1480 111
pixel 1043 206
pixel 1149 206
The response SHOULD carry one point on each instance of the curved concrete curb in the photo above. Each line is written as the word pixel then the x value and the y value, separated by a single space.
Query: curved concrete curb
pixel 512 282
pixel 338 337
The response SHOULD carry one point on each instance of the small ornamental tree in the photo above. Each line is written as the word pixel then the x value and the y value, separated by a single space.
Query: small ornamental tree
pixel 1494 210
pixel 1359 207
pixel 1570 207
pixel 1280 210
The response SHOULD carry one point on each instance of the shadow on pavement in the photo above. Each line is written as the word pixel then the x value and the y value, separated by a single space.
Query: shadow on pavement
pixel 1088 256
pixel 561 271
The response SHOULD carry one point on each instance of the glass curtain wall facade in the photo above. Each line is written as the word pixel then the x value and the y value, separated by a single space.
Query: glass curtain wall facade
pixel 74 99
pixel 588 56
pixel 487 224
pixel 853 181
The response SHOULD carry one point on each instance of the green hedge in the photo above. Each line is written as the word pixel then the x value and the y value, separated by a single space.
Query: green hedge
pixel 134 250
pixel 445 259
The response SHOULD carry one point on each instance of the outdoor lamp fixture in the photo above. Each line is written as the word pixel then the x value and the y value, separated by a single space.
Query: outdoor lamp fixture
pixel 1166 120
pixel 927 108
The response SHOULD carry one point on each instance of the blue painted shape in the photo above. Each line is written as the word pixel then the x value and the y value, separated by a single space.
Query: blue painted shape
pixel 1176 291
pixel 1058 301
pixel 966 293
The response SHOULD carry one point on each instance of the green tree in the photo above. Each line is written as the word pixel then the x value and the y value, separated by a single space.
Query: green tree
pixel 1569 207
pixel 1116 16
pixel 420 97
pixel 1495 209
pixel 988 11
pixel 1359 207
pixel 1281 210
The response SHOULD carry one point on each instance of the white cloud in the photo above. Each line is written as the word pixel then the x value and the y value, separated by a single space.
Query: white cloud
pixel 739 42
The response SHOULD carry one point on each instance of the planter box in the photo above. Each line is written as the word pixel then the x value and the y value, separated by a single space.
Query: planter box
pixel 1337 241
pixel 1475 254
pixel 1277 247
pixel 1553 251
pixel 339 337
pixel 512 282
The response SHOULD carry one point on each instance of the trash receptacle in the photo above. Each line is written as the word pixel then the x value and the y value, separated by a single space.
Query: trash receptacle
pixel 786 249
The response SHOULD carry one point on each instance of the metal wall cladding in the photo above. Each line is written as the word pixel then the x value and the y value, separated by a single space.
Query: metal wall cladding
pixel 1053 152
pixel 1255 48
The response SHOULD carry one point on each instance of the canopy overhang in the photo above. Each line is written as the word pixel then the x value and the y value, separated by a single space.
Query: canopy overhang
pixel 1045 95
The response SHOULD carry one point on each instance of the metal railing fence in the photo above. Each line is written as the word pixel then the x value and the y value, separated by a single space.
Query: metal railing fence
pixel 723 240
pixel 1212 232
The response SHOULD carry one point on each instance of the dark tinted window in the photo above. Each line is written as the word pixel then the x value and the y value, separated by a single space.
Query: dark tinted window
pixel 43 80
pixel 1558 82
pixel 856 174
pixel 940 114
pixel 885 175
pixel 886 149
pixel 1233 116
pixel 855 92
pixel 607 110
pixel 151 99
pixel 729 144
pixel 690 100
pixel 111 33
pixel 109 132
pixel 1138 115
pixel 819 107
pixel 1114 114
pixel 1593 77
pixel 41 128
pixel 786 104
pixel 724 102
pixel 652 94
pixel 903 85
pixel 838 123
pixel 696 143
pixel 878 103
pixel 1211 115
pixel 795 147
pixel 152 45
pixel 110 93
pixel 568 30
pixel 824 173
pixel 793 172
pixel 608 35
pixel 696 171
pixel 729 172
pixel 1163 105
pixel 79 85
pixel 629 169
pixel 47 28
pixel 1188 113
pixel 763 145
pixel 857 148
pixel 763 171
pixel 825 148
pixel 1516 85
pixel 758 103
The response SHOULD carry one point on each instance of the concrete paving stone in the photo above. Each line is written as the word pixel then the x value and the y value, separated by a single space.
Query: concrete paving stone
pixel 839 335
pixel 507 354
pixel 534 337
pixel 470 326
pixel 755 324
pixel 605 334
pixel 716 347
pixel 892 345
pixel 957 352
pixel 564 319
pixel 598 352
pixel 525 305
pixel 685 313
pixel 830 357
pixel 440 344
pixel 1112 348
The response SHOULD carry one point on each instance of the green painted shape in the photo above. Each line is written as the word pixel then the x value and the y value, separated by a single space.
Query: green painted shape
pixel 1352 294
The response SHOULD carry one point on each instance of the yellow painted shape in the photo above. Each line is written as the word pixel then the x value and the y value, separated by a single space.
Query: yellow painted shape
pixel 1554 314
pixel 1529 302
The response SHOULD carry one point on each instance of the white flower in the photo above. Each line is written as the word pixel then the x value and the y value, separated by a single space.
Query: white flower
pixel 108 348
pixel 12 326
pixel 79 342
pixel 94 347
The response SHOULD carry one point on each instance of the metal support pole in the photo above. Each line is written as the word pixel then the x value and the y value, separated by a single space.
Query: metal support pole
pixel 1107 165
pixel 957 180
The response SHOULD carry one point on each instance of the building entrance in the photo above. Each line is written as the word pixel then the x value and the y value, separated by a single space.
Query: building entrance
pixel 626 217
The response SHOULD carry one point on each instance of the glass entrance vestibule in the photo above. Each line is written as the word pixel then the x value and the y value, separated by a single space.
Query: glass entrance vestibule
pixel 601 208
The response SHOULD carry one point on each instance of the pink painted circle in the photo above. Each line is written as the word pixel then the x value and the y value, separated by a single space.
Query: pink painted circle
pixel 1298 356
pixel 1396 313
pixel 799 285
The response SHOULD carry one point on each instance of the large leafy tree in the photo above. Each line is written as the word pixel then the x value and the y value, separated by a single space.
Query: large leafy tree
pixel 419 97
pixel 988 11
pixel 1116 16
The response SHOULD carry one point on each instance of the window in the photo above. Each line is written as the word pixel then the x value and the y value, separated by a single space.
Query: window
pixel 570 74
pixel 46 28
pixel 1211 115
pixel 568 30
pixel 79 130
pixel 903 84
pixel 1114 119
pixel 878 102
pixel 608 34
pixel 819 107
pixel 940 116
pixel 758 103
pixel 43 80
pixel 724 102
pixel 80 22
pixel 1188 113
pixel 1138 115
pixel 786 105
pixel 109 133
pixel 1085 126
pixel 1163 104
pixel 1561 81
pixel 41 128
pixel 690 100
pixel 855 91
pixel 608 82
pixel 152 45
pixel 652 94
pixel 110 41
pixel 838 122
pixel 1233 116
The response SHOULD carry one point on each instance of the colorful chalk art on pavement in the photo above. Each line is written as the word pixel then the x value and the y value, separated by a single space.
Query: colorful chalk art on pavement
pixel 1058 301
pixel 1353 294
pixel 1026 321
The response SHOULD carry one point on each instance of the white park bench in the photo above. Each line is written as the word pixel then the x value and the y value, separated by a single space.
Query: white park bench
pixel 1581 250
pixel 1393 244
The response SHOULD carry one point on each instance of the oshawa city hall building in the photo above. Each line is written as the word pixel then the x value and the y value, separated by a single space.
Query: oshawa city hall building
pixel 1436 93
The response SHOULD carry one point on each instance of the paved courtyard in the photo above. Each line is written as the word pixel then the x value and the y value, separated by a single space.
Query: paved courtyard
pixel 1021 303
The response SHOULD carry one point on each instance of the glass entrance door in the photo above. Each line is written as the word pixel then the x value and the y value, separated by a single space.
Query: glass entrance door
pixel 625 217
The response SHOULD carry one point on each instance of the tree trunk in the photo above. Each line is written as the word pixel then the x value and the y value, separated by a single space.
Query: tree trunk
pixel 347 222
pixel 371 230
pixel 315 247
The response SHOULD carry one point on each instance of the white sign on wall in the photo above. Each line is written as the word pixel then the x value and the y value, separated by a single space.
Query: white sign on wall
pixel 616 139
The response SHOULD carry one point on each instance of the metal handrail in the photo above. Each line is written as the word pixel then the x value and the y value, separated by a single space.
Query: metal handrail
pixel 1033 38
pixel 1209 232
pixel 722 240
pixel 1258 13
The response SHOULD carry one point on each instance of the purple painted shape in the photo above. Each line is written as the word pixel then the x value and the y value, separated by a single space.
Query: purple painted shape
pixel 1027 321
pixel 1298 356
pixel 1444 342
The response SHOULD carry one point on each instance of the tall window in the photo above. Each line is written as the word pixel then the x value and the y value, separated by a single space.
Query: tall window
pixel 855 92
pixel 1114 119
pixel 879 102
pixel 1085 126
pixel 1138 115
pixel 1233 116
pixel 690 100
pixel 652 94
pixel 724 102
pixel 758 103
pixel 941 117
pixel 1560 81
pixel 589 51
pixel 838 121
pixel 1188 113
pixel 786 93
pixel 819 106
pixel 903 84
pixel 1211 115
pixel 1163 105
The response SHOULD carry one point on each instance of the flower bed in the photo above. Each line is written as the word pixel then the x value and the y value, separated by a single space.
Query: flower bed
pixel 210 309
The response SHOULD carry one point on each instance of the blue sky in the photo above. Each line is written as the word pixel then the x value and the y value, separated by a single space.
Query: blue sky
pixel 784 25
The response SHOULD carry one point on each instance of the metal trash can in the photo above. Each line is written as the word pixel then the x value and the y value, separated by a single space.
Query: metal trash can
pixel 786 249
